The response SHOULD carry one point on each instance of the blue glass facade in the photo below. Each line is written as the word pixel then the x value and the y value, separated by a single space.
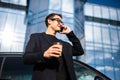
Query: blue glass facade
pixel 12 30
pixel 17 2
pixel 102 39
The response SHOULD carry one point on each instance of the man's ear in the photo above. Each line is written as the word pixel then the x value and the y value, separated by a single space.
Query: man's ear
pixel 49 21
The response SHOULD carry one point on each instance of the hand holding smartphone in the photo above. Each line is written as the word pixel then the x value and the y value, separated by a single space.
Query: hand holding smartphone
pixel 64 29
pixel 61 29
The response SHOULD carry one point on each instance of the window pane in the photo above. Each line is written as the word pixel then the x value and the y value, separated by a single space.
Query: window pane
pixel 97 33
pixel 90 57
pixel 19 2
pixel 99 59
pixel 114 36
pixel 20 27
pixel 113 14
pixel 2 19
pixel 105 12
pixel 88 32
pixel 67 6
pixel 89 46
pixel 97 11
pixel 23 2
pixel 119 33
pixel 55 4
pixel 88 9
pixel 118 14
pixel 35 8
pixel 105 35
pixel 14 1
pixel 5 1
pixel 17 47
pixel 10 22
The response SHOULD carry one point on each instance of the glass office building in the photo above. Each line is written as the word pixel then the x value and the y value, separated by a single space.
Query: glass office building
pixel 97 26
pixel 12 27
pixel 102 39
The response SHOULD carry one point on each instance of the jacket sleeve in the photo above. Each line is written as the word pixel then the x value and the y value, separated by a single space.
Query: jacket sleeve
pixel 31 54
pixel 76 45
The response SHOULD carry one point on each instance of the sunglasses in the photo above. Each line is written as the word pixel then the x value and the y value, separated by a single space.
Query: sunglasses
pixel 57 19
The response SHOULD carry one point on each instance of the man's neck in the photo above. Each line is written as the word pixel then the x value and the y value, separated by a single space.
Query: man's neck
pixel 50 32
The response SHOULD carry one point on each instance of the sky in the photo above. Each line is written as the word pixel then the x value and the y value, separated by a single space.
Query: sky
pixel 110 3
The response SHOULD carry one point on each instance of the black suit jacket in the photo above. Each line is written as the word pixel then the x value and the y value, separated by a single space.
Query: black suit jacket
pixel 43 70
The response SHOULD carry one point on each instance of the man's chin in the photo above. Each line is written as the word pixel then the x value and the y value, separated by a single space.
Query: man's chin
pixel 57 31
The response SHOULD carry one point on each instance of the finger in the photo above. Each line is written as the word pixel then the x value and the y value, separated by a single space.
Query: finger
pixel 55 46
pixel 54 55
pixel 56 50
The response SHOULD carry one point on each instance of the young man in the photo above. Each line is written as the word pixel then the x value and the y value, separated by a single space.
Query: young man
pixel 51 62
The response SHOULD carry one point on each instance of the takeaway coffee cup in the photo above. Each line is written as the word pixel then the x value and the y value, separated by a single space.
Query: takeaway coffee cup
pixel 58 45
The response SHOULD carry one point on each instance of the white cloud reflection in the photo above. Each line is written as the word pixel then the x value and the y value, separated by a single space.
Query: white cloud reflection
pixel 107 68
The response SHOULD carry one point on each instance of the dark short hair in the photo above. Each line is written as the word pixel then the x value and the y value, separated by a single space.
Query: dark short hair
pixel 50 16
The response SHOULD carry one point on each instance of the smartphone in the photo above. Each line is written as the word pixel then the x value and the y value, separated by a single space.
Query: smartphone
pixel 61 29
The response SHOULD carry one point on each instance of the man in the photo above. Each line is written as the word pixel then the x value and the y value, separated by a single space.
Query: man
pixel 50 61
